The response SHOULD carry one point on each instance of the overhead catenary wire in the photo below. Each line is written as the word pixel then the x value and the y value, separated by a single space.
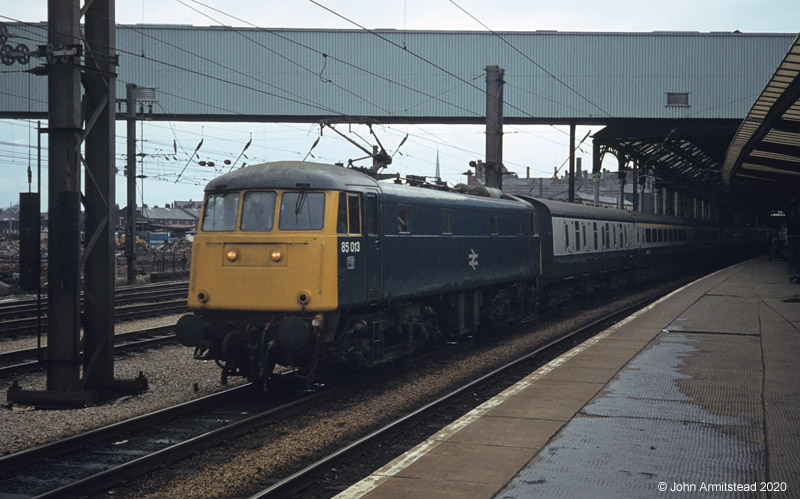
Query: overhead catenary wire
pixel 524 55
pixel 414 54
pixel 286 38
pixel 327 56
pixel 224 80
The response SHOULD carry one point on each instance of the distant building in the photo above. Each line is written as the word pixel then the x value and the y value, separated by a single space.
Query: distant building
pixel 177 219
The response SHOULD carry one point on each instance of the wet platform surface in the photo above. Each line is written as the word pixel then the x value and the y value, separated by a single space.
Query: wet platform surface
pixel 698 393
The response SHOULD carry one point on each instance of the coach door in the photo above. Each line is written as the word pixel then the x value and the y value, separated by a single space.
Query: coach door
pixel 372 231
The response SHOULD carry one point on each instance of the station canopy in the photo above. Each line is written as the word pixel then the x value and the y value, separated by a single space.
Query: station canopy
pixel 686 154
pixel 764 156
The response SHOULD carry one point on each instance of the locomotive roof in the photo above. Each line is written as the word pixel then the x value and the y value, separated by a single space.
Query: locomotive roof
pixel 322 176
pixel 291 175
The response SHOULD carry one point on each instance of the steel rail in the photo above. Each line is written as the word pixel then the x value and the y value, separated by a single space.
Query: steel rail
pixel 19 327
pixel 124 296
pixel 31 359
pixel 302 478
pixel 25 460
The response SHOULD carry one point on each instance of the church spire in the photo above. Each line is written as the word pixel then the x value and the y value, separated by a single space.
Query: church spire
pixel 438 175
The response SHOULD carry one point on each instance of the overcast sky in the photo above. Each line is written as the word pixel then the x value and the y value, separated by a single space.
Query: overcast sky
pixel 456 145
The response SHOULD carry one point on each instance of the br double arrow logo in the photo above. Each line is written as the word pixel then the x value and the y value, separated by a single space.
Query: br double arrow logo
pixel 473 259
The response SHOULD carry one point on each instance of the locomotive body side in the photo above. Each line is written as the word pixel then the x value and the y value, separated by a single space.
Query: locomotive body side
pixel 439 242
pixel 299 264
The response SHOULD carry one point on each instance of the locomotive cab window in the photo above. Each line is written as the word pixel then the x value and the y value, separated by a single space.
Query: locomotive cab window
pixel 258 211
pixel 302 211
pixel 493 225
pixel 220 212
pixel 348 219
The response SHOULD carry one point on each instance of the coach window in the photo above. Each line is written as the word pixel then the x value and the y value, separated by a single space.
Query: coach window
pixel 602 236
pixel 566 236
pixel 220 212
pixel 447 222
pixel 493 223
pixel 585 243
pixel 403 219
pixel 302 211
pixel 258 211
pixel 577 235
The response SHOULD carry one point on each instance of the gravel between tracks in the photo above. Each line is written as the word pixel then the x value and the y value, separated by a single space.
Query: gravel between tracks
pixel 171 372
pixel 10 344
pixel 248 464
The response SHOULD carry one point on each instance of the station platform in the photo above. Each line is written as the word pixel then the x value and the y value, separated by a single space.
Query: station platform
pixel 696 393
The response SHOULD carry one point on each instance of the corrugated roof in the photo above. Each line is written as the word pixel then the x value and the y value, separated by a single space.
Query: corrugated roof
pixel 208 73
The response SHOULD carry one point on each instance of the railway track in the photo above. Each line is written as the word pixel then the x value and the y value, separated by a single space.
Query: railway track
pixel 297 483
pixel 28 359
pixel 102 458
pixel 99 459
pixel 26 307
pixel 18 318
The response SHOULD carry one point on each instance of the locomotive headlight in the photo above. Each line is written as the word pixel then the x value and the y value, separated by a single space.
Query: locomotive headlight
pixel 276 255
pixel 232 255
